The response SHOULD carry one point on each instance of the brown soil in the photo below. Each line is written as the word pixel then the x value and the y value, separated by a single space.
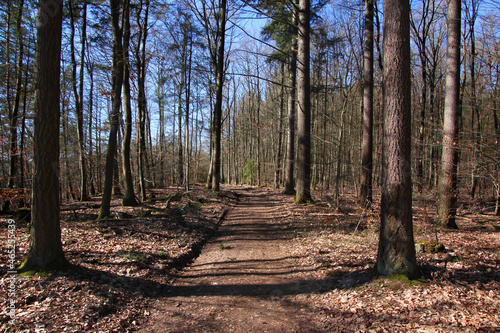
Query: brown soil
pixel 240 281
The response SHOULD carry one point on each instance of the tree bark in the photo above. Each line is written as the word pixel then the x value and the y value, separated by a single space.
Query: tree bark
pixel 303 194
pixel 365 197
pixel 188 101
pixel 216 170
pixel 277 172
pixel 396 251
pixel 78 95
pixel 116 90
pixel 292 103
pixel 45 248
pixel 141 94
pixel 447 203
pixel 129 199
pixel 180 157
pixel 13 181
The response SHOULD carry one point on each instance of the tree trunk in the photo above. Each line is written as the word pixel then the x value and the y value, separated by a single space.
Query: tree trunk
pixel 277 172
pixel 188 101
pixel 90 68
pixel 117 82
pixel 141 94
pixel 180 160
pixel 129 199
pixel 447 203
pixel 290 151
pixel 365 197
pixel 475 117
pixel 14 153
pixel 303 194
pixel 45 248
pixel 396 251
pixel 23 134
pixel 78 94
pixel 216 170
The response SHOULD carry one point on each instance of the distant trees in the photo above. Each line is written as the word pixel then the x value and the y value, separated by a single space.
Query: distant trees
pixel 193 105
pixel 213 20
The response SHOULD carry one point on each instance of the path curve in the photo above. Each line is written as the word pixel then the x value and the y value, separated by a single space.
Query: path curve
pixel 245 277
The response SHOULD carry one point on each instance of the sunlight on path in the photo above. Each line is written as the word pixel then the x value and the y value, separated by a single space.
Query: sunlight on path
pixel 242 278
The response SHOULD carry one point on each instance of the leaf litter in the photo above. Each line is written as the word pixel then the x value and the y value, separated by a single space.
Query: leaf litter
pixel 120 265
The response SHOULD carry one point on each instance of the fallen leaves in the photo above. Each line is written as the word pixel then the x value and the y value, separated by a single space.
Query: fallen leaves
pixel 458 292
pixel 117 264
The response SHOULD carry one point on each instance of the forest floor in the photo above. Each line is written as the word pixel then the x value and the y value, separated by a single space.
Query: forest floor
pixel 261 264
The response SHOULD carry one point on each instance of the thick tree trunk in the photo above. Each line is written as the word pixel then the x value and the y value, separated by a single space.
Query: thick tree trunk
pixel 45 248
pixel 303 194
pixel 117 82
pixel 396 252
pixel 365 197
pixel 447 203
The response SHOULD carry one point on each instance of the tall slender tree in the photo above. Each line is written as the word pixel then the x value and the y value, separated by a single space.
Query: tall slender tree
pixel 367 145
pixel 292 109
pixel 78 92
pixel 219 82
pixel 396 251
pixel 116 94
pixel 304 105
pixel 45 248
pixel 14 164
pixel 141 65
pixel 283 30
pixel 447 202
pixel 129 198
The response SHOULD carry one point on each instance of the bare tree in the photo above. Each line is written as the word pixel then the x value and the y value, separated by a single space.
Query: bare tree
pixel 447 203
pixel 292 103
pixel 129 198
pixel 45 248
pixel 396 251
pixel 141 65
pixel 219 81
pixel 78 92
pixel 367 145
pixel 116 91
pixel 304 105
pixel 14 164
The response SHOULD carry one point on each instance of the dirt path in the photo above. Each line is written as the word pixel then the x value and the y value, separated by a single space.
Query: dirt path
pixel 245 278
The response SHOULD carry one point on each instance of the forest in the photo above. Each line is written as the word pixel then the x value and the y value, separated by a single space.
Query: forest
pixel 132 130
